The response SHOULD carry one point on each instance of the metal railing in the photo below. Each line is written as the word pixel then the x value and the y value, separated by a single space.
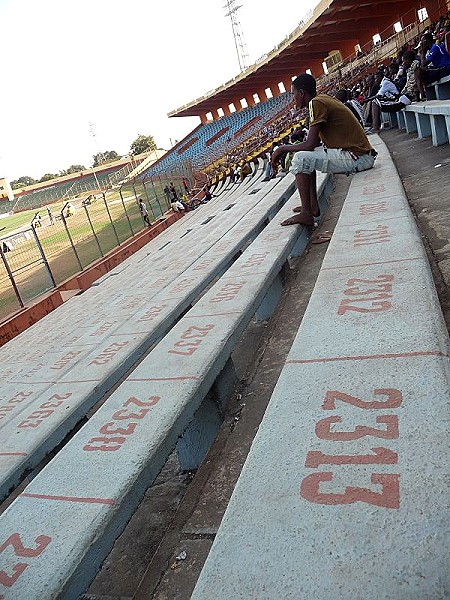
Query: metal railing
pixel 58 245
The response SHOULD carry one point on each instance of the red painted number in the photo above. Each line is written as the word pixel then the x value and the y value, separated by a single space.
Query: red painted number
pixel 109 429
pixel 111 444
pixel 37 417
pixel 323 429
pixel 388 497
pixel 380 456
pixel 191 344
pixel 21 551
pixel 104 444
pixel 377 294
pixel 394 399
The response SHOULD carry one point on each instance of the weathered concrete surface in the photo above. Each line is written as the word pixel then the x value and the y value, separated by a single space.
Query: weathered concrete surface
pixel 303 521
pixel 134 569
pixel 425 172
pixel 258 359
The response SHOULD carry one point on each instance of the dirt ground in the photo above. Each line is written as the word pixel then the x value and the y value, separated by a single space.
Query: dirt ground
pixel 160 554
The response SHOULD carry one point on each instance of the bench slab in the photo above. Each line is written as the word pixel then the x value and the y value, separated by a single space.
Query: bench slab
pixel 344 493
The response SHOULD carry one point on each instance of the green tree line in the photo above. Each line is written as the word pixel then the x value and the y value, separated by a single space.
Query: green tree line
pixel 143 143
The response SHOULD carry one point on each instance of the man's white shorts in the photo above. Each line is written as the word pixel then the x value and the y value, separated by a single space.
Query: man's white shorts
pixel 333 160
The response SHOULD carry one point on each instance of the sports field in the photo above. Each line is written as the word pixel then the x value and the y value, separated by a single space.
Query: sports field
pixel 68 245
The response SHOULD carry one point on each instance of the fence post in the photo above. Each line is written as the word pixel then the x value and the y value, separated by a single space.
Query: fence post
pixel 10 275
pixel 93 230
pixel 110 218
pixel 63 219
pixel 44 258
pixel 125 209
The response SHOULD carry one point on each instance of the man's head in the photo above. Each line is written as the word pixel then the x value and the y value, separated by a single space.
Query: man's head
pixel 392 69
pixel 341 95
pixel 427 40
pixel 408 57
pixel 304 89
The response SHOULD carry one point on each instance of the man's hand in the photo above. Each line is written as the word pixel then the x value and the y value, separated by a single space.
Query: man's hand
pixel 276 155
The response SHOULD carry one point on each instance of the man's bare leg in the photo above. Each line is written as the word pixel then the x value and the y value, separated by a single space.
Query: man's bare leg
pixel 305 217
pixel 376 117
pixel 313 195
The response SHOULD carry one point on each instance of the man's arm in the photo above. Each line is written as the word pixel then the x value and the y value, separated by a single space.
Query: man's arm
pixel 311 142
pixel 424 61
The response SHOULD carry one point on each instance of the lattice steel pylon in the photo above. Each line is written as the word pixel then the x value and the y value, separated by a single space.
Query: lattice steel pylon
pixel 239 41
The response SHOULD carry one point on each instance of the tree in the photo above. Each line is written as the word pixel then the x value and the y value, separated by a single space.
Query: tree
pixel 22 182
pixel 72 169
pixel 143 143
pixel 104 157
pixel 48 177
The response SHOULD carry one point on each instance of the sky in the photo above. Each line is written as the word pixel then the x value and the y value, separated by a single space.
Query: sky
pixel 89 76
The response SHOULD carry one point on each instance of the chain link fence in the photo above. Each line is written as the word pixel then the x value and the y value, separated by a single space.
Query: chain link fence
pixel 57 245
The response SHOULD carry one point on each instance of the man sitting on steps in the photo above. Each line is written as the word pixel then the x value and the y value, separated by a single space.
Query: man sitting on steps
pixel 345 149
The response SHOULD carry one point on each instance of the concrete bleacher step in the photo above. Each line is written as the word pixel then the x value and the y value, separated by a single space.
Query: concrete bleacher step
pixel 428 119
pixel 68 294
pixel 93 485
pixel 345 490
pixel 98 353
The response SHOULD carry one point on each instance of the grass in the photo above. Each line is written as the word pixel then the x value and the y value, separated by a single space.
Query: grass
pixel 25 261
pixel 29 271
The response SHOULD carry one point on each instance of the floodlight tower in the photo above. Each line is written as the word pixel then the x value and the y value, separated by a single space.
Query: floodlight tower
pixel 239 41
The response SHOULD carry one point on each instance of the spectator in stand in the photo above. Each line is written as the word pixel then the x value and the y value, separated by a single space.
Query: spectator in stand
pixel 354 102
pixel 373 86
pixel 208 194
pixel 168 194
pixel 387 91
pixel 400 77
pixel 185 185
pixel 435 62
pixel 342 95
pixel 177 206
pixel 270 173
pixel 245 170
pixel 144 212
pixel 173 191
pixel 406 96
pixel 345 148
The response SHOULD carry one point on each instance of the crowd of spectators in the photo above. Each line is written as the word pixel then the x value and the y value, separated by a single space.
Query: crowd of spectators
pixel 368 89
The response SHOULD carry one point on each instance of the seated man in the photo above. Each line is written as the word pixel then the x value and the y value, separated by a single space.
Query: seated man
pixel 346 148
pixel 342 95
pixel 435 61
pixel 407 94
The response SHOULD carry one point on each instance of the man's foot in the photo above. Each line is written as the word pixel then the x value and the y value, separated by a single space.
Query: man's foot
pixel 299 219
pixel 298 209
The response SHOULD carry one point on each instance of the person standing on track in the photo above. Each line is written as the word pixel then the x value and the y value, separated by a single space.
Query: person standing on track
pixel 144 212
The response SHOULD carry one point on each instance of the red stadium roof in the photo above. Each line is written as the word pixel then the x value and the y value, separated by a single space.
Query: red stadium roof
pixel 334 25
